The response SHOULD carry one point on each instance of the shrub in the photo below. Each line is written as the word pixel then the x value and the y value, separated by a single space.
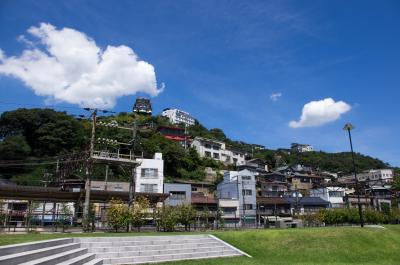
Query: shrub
pixel 167 218
pixel 118 214
pixel 186 215
pixel 139 212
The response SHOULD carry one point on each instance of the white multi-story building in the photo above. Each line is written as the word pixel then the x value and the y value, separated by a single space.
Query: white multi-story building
pixel 373 176
pixel 333 195
pixel 301 148
pixel 150 174
pixel 217 150
pixel 240 185
pixel 177 116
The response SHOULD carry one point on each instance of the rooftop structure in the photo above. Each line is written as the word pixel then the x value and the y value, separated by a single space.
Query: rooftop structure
pixel 142 106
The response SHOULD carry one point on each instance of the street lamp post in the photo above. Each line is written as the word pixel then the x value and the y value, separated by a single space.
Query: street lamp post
pixel 348 127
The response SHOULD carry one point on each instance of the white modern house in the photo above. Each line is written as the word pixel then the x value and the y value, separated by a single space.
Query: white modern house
pixel 240 185
pixel 301 148
pixel 177 116
pixel 218 151
pixel 150 174
pixel 333 195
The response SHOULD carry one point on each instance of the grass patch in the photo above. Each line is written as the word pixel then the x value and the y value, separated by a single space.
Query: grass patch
pixel 330 245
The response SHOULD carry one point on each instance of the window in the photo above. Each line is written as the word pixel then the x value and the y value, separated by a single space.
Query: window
pixel 194 189
pixel 247 192
pixel 149 173
pixel 336 194
pixel 246 177
pixel 229 210
pixel 118 188
pixel 151 188
pixel 207 146
pixel 215 147
pixel 207 154
pixel 248 206
pixel 216 155
pixel 177 195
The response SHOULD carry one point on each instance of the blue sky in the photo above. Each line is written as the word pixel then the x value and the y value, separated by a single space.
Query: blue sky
pixel 222 60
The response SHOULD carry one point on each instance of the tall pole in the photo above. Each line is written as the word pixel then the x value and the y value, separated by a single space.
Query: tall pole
pixel 88 174
pixel 349 127
pixel 132 179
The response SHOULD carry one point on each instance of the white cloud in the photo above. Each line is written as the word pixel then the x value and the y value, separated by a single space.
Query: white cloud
pixel 275 96
pixel 316 113
pixel 66 65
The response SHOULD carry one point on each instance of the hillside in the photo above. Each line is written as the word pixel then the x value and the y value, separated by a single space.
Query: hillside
pixel 33 139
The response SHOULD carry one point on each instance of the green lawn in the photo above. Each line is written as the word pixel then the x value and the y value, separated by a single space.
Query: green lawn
pixel 342 245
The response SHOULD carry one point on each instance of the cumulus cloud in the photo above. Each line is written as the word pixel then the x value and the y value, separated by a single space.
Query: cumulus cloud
pixel 275 96
pixel 316 113
pixel 66 65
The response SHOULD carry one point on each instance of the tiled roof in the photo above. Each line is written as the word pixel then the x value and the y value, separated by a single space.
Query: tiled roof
pixel 307 201
pixel 271 200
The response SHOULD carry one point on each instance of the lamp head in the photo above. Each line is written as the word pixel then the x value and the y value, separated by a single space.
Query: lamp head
pixel 348 127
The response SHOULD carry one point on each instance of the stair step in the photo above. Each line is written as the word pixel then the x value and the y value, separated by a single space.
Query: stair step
pixel 192 258
pixel 140 243
pixel 153 247
pixel 137 238
pixel 150 252
pixel 80 260
pixel 24 247
pixel 57 258
pixel 36 253
pixel 94 262
pixel 170 257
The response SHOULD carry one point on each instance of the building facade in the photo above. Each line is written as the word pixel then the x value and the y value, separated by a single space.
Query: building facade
pixel 372 177
pixel 333 195
pixel 301 148
pixel 150 174
pixel 176 134
pixel 177 116
pixel 178 194
pixel 240 185
pixel 217 150
pixel 230 211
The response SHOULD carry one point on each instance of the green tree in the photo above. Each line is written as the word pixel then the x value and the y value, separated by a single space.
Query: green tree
pixel 3 213
pixel 139 211
pixel 219 218
pixel 14 148
pixel 64 216
pixel 186 215
pixel 118 215
pixel 205 215
pixel 46 131
pixel 166 218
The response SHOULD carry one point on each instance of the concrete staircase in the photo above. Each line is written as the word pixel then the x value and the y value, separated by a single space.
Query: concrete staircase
pixel 59 251
pixel 117 250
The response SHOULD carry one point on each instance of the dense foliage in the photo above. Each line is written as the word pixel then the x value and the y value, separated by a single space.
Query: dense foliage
pixel 31 134
pixel 342 216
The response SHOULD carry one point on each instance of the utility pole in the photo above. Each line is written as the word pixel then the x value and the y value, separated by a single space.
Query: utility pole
pixel 348 127
pixel 132 179
pixel 88 173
